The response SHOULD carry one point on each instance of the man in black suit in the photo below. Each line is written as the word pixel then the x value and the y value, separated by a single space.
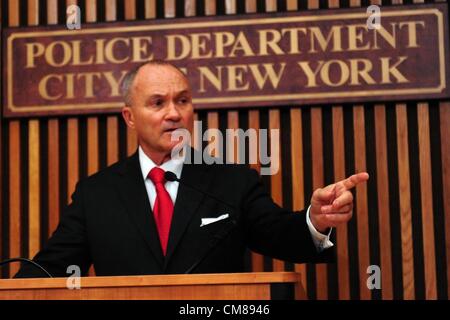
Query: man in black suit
pixel 127 220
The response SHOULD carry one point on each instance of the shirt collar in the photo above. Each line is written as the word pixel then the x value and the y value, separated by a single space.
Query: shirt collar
pixel 147 164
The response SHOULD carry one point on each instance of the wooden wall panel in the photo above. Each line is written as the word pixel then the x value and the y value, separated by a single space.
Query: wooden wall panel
pixel 318 182
pixel 383 201
pixel 405 202
pixel 341 232
pixel 74 148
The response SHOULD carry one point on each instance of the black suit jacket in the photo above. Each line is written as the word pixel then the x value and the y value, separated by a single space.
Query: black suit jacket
pixel 110 224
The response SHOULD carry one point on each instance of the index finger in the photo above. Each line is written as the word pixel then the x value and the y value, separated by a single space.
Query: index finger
pixel 353 180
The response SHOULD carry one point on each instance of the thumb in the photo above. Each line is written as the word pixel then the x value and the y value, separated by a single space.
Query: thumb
pixel 325 195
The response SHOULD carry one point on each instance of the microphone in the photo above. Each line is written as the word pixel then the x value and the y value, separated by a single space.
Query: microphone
pixel 27 261
pixel 222 234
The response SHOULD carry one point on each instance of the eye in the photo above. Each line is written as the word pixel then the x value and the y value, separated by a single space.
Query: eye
pixel 184 100
pixel 157 102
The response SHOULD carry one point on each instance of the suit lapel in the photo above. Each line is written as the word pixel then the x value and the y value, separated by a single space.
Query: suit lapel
pixel 186 204
pixel 134 194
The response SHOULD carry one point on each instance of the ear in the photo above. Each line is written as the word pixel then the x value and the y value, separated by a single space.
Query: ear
pixel 128 116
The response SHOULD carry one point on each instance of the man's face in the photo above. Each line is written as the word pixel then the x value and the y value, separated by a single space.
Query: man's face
pixel 161 102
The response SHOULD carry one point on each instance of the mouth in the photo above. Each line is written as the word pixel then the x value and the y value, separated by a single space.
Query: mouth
pixel 170 130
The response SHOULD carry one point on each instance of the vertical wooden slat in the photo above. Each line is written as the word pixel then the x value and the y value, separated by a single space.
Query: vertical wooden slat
pixel 230 6
pixel 14 166
pixel 92 145
pixel 195 134
pixel 112 148
pixel 33 12
pixel 33 188
pixel 92 122
pixel 53 147
pixel 444 109
pixel 52 11
pixel 213 123
pixel 33 160
pixel 15 241
pixel 405 202
pixel 318 182
pixel 355 3
pixel 427 201
pixel 13 13
pixel 169 8
pixel 253 123
pixel 313 4
pixel 333 4
pixel 383 202
pixel 112 126
pixel 341 231
pixel 53 175
pixel 150 9
pixel 276 182
pixel 210 8
pixel 292 5
pixel 361 201
pixel 250 6
pixel 110 10
pixel 298 199
pixel 91 10
pixel 233 123
pixel 271 5
pixel 189 8
pixel 130 9
pixel 72 156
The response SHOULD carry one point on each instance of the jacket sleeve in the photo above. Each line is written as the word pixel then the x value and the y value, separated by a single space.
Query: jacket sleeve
pixel 68 246
pixel 277 232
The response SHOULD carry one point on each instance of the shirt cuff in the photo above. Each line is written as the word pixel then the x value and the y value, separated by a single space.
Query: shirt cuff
pixel 321 241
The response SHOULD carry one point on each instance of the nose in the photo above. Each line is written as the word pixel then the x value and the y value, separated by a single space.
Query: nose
pixel 173 114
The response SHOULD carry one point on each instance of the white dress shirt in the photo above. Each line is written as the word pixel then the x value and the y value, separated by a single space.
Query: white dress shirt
pixel 321 241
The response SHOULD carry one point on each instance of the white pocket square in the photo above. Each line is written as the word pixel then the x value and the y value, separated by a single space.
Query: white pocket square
pixel 206 221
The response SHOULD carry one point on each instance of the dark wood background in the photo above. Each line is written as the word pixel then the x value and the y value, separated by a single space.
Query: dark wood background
pixel 402 215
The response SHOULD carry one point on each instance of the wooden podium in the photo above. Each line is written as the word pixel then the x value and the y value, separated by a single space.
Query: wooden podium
pixel 227 286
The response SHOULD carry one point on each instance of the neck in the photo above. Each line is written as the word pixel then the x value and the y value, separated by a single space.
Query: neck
pixel 157 157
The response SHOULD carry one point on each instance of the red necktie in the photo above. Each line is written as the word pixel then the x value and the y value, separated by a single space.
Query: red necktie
pixel 163 208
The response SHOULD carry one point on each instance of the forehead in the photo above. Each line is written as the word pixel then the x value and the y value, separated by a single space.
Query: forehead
pixel 161 79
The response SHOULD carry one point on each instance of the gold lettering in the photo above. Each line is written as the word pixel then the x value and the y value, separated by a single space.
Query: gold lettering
pixel 335 34
pixel 269 74
pixel 109 50
pixel 199 45
pixel 355 38
pixel 89 82
pixel 265 43
pixel 235 81
pixel 356 72
pixel 43 86
pixel 325 73
pixel 172 48
pixel 242 44
pixel 310 74
pixel 390 38
pixel 387 70
pixel 222 40
pixel 141 49
pixel 77 55
pixel 215 80
pixel 412 32
pixel 113 83
pixel 34 50
pixel 69 86
pixel 50 54
pixel 293 38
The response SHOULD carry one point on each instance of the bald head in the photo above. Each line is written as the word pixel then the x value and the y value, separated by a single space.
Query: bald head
pixel 128 82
